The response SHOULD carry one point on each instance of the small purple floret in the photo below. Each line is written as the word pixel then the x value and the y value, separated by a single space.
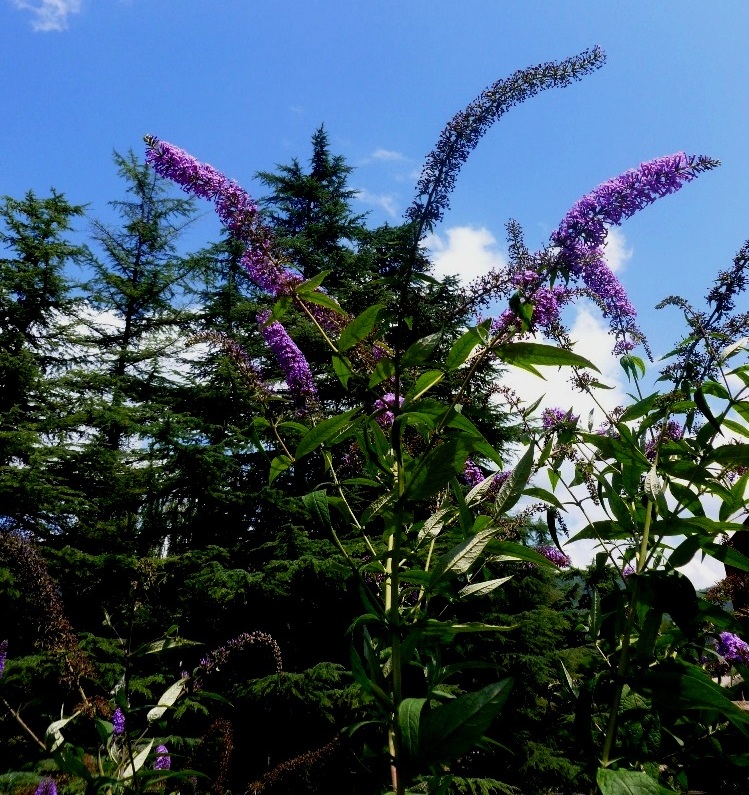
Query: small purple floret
pixel 385 406
pixel 163 760
pixel 472 475
pixel 552 418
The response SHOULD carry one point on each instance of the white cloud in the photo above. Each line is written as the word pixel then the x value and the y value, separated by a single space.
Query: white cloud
pixel 616 251
pixel 468 252
pixel 387 154
pixel 49 15
pixel 384 201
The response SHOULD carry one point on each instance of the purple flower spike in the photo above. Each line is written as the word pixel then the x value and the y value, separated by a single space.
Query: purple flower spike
pixel 234 206
pixel 732 648
pixel 385 406
pixel 290 359
pixel 551 418
pixel 472 475
pixel 581 236
pixel 237 211
pixel 118 722
pixel 555 556
pixel 46 786
pixel 163 760
pixel 3 655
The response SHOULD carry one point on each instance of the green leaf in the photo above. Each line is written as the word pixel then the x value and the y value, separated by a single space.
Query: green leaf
pixel 163 645
pixel 730 454
pixel 53 738
pixel 409 716
pixel 453 729
pixel 462 557
pixel 317 504
pixel 546 496
pixel 342 368
pixel 512 489
pixel 435 470
pixel 424 383
pixel 449 629
pixel 699 399
pixel 482 588
pixel 360 327
pixel 166 700
pixel 280 308
pixel 421 350
pixel 322 299
pixel 533 353
pixel 632 365
pixel 139 759
pixel 462 348
pixel 652 485
pixel 323 432
pixel 311 284
pixel 278 465
pixel 627 782
pixel 384 369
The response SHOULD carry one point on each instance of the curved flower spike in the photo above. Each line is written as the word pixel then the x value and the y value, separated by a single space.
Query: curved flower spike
pixel 462 134
pixel 291 360
pixel 581 236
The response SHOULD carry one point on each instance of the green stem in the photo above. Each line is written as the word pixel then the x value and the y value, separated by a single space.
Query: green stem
pixel 621 670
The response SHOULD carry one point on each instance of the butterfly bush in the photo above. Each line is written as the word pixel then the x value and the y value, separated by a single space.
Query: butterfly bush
pixel 290 359
pixel 462 134
pixel 555 556
pixel 3 656
pixel 118 722
pixel 234 206
pixel 732 649
pixel 163 760
pixel 581 236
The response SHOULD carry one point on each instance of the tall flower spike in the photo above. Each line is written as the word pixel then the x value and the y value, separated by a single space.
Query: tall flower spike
pixel 290 359
pixel 3 655
pixel 581 236
pixel 463 132
pixel 234 206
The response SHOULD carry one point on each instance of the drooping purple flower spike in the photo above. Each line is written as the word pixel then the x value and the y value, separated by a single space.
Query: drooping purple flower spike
pixel 3 655
pixel 234 206
pixel 290 359
pixel 462 134
pixel 581 236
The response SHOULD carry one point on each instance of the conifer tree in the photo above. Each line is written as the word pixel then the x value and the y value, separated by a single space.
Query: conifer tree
pixel 35 306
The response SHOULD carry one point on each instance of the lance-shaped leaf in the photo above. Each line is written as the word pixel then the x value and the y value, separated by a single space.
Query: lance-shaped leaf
pixel 138 760
pixel 360 327
pixel 462 348
pixel 524 354
pixel 166 700
pixel 409 718
pixel 53 738
pixel 421 350
pixel 461 558
pixel 482 588
pixel 453 729
pixel 324 432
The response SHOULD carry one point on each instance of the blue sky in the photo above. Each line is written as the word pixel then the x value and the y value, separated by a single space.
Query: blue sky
pixel 244 83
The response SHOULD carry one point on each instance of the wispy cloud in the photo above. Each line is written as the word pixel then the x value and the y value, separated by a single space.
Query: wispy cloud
pixel 616 251
pixel 387 154
pixel 49 15
pixel 384 201
pixel 464 251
